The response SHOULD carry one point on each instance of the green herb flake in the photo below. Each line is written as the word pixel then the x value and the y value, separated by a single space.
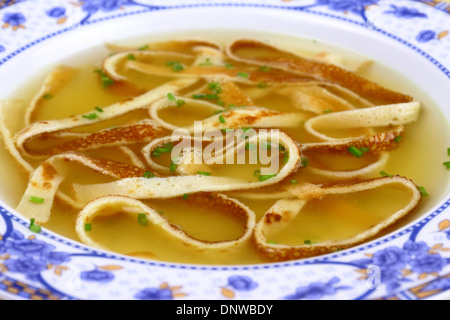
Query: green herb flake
pixel 447 165
pixel 47 96
pixel 180 103
pixel 385 174
pixel 265 68
pixel 175 65
pixel 266 177
pixel 355 151
pixel 207 63
pixel 212 96
pixel 144 47
pixel 156 154
pixel 131 57
pixel 99 109
pixel 228 65
pixel 328 111
pixel 34 227
pixel 142 219
pixel 199 96
pixel 448 151
pixel 294 181
pixel 185 196
pixel 286 157
pixel 171 96
pixel 105 80
pixel 36 200
pixel 87 227
pixel 243 75
pixel 423 191
pixel 308 242
pixel 272 242
pixel 215 87
pixel 148 174
pixel 173 167
pixel 222 119
pixel 204 173
pixel 91 116
pixel 398 139
pixel 304 161
pixel 262 85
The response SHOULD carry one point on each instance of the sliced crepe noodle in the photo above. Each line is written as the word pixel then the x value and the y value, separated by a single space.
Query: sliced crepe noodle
pixel 142 131
pixel 56 80
pixel 292 62
pixel 36 129
pixel 378 116
pixel 174 186
pixel 9 120
pixel 285 211
pixel 113 204
pixel 45 181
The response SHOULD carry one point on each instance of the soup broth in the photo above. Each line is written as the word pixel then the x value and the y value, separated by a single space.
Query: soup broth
pixel 327 218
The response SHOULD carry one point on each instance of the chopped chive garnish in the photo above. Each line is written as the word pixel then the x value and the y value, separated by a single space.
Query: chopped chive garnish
pixel 448 151
pixel 423 191
pixel 99 109
pixel 131 57
pixel 207 63
pixel 328 111
pixel 364 149
pixel 160 212
pixel 185 196
pixel 175 65
pixel 171 96
pixel 398 139
pixel 148 174
pixel 447 165
pixel 34 227
pixel 91 116
pixel 142 219
pixel 355 151
pixel 87 227
pixel 242 74
pixel 106 81
pixel 220 103
pixel 308 242
pixel 221 119
pixel 199 96
pixel 167 148
pixel 215 87
pixel 294 181
pixel 385 174
pixel 304 161
pixel 144 47
pixel 36 200
pixel 286 157
pixel 204 173
pixel 173 167
pixel 262 85
pixel 245 129
pixel 271 242
pixel 267 177
pixel 212 96
pixel 265 68
pixel 180 103
pixel 156 154
pixel 48 96
pixel 228 65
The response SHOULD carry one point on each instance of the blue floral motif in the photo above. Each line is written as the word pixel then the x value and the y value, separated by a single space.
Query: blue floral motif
pixel 426 35
pixel 14 19
pixel 393 261
pixel 354 6
pixel 154 294
pixel 404 12
pixel 29 256
pixel 242 283
pixel 317 290
pixel 97 276
pixel 6 3
pixel 56 12
pixel 92 6
pixel 2 48
pixel 28 266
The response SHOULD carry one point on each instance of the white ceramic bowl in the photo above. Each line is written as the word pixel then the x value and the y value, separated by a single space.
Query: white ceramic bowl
pixel 406 36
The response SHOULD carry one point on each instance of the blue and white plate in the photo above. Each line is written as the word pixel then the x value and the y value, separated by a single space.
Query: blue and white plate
pixel 411 37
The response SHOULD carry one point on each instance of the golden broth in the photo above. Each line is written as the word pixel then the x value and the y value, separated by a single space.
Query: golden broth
pixel 419 158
